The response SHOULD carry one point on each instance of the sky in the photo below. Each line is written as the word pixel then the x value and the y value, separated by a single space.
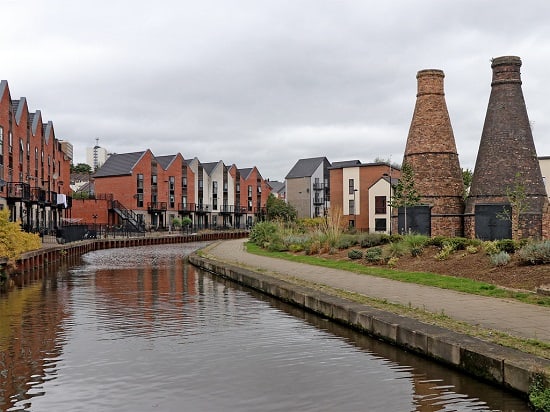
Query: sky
pixel 267 82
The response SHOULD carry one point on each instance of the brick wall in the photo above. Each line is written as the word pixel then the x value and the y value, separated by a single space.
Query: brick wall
pixel 432 153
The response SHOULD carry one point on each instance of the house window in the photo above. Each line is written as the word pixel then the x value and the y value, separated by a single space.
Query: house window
pixel 139 199
pixel 380 225
pixel 139 183
pixel 172 201
pixel 351 185
pixel 1 145
pixel 351 207
pixel 214 187
pixel 380 205
pixel 172 183
pixel 249 191
pixel 215 203
pixel 153 179
pixel 21 150
pixel 238 188
pixel 184 181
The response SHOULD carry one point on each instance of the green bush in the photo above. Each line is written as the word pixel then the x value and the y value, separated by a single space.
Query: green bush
pixel 346 241
pixel 490 247
pixel 506 245
pixel 539 395
pixel 536 253
pixel 471 249
pixel 367 240
pixel 397 249
pixel 355 254
pixel 374 254
pixel 500 259
pixel 416 243
pixel 262 233
pixel 445 251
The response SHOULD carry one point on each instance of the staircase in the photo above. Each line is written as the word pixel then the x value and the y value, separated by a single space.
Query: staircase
pixel 129 217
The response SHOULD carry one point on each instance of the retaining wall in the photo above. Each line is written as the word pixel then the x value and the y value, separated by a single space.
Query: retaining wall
pixel 499 365
pixel 68 251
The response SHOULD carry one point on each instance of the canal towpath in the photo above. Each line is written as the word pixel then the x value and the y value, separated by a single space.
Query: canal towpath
pixel 506 315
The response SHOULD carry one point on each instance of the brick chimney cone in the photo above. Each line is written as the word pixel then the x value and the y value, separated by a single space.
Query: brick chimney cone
pixel 431 152
pixel 507 152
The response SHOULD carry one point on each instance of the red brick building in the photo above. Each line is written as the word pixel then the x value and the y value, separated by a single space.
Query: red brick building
pixel 140 191
pixel 34 166
pixel 351 193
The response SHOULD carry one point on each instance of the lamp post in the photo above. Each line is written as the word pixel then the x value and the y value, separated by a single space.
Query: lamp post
pixel 354 214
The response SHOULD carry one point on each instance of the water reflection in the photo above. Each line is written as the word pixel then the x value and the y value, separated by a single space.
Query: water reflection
pixel 139 330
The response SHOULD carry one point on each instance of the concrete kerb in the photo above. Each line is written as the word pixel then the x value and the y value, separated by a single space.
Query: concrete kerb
pixel 499 365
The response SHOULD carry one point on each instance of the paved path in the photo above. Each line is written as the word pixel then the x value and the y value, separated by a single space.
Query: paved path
pixel 513 317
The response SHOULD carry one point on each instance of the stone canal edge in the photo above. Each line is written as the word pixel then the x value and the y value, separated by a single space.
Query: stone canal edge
pixel 509 368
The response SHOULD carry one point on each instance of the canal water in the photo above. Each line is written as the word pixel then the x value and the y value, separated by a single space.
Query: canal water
pixel 138 329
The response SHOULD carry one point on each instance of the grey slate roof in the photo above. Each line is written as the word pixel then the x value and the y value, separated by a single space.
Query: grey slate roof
pixel 209 167
pixel 119 164
pixel 345 163
pixel 245 172
pixel 306 167
pixel 165 161
pixel 3 87
pixel 276 186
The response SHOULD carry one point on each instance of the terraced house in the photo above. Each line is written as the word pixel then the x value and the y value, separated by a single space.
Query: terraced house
pixel 140 191
pixel 34 166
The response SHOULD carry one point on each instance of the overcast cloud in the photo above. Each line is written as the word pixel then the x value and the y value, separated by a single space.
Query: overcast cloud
pixel 266 83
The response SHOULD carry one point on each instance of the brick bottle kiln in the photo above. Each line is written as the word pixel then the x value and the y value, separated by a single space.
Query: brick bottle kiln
pixel 506 159
pixel 432 154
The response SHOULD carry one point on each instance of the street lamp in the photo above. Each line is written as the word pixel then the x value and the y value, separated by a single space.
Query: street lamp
pixel 389 198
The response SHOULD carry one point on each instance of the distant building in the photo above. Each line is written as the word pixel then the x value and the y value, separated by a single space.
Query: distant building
pixel 96 156
pixel 308 187
pixel 278 189
pixel 361 191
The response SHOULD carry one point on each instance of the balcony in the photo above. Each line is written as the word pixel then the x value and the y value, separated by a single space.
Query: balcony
pixel 202 208
pixel 156 207
pixel 38 195
pixel 318 200
pixel 318 186
pixel 186 207
pixel 18 192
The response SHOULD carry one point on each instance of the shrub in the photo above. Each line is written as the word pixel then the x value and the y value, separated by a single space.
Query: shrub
pixel 393 261
pixel 445 251
pixel 471 249
pixel 346 241
pixel 490 247
pixel 535 253
pixel 367 240
pixel 13 241
pixel 500 259
pixel 262 233
pixel 355 254
pixel 539 393
pixel 374 254
pixel 397 249
pixel 416 243
pixel 506 245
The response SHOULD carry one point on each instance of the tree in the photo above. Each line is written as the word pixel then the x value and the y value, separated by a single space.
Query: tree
pixel 404 192
pixel 467 176
pixel 518 202
pixel 279 209
pixel 81 168
pixel 13 241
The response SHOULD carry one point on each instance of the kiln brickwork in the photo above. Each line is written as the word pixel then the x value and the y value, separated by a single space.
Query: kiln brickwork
pixel 507 152
pixel 432 153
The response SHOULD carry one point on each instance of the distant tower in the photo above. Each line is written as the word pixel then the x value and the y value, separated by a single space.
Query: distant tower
pixel 96 159
pixel 506 156
pixel 431 152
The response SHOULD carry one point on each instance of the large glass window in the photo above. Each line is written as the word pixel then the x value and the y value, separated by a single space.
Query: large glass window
pixel 351 207
pixel 380 225
pixel 351 185
pixel 380 204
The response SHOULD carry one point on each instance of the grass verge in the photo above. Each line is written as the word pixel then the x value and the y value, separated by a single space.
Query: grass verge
pixel 422 278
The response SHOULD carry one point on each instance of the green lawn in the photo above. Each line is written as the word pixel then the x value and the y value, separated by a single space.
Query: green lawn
pixel 422 278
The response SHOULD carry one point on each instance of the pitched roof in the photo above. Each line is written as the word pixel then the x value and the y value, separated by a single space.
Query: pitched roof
pixel 3 87
pixel 245 172
pixel 306 167
pixel 119 164
pixel 276 186
pixel 209 167
pixel 165 161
